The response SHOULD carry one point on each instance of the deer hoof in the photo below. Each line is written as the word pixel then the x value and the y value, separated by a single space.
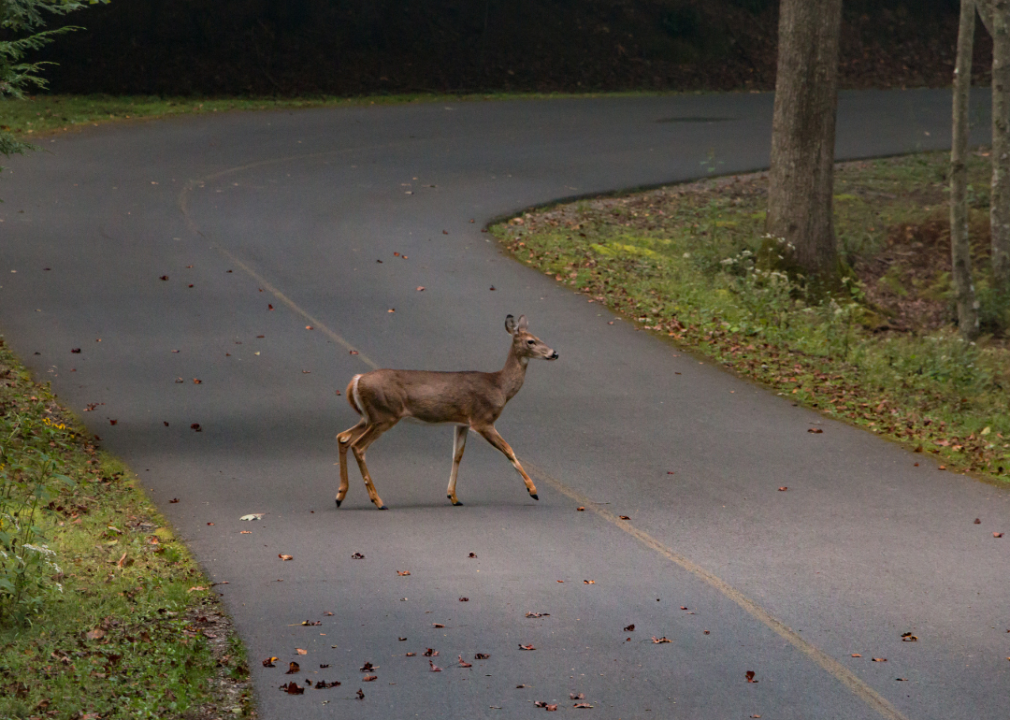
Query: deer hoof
pixel 338 503
pixel 457 503
pixel 534 496
pixel 383 507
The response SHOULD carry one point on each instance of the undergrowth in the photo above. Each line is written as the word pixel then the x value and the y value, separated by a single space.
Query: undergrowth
pixel 108 616
pixel 881 353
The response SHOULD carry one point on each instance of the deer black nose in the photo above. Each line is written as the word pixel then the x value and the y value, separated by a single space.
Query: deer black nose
pixel 553 355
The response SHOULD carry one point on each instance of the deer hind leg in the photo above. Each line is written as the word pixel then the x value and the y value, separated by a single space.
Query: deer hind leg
pixel 458 443
pixel 491 435
pixel 345 439
pixel 359 447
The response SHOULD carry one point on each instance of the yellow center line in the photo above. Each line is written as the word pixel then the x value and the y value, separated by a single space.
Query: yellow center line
pixel 841 673
pixel 316 323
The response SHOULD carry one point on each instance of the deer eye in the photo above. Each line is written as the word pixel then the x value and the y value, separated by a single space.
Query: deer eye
pixel 531 342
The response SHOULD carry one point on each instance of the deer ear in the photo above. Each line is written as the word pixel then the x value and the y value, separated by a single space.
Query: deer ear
pixel 522 324
pixel 510 325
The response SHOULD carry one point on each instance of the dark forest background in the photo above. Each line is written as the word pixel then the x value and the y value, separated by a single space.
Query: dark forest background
pixel 350 47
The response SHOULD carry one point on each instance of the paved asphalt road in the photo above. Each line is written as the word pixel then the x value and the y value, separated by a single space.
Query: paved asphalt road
pixel 293 210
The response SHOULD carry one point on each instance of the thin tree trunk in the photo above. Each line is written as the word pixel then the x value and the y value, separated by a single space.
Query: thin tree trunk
pixel 801 180
pixel 999 205
pixel 960 250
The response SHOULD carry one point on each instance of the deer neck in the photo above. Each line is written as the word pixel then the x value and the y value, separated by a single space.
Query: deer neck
pixel 511 377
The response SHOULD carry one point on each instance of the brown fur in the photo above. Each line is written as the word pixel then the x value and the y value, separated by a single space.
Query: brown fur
pixel 471 400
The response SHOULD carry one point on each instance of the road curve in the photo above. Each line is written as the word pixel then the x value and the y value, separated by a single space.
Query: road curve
pixel 270 228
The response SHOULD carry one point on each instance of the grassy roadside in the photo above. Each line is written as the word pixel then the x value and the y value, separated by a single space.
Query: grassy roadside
pixel 43 114
pixel 681 261
pixel 129 627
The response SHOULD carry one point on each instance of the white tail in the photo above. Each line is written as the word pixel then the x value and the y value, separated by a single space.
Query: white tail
pixel 468 400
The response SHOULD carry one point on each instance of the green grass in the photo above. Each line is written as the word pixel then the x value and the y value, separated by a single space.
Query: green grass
pixel 680 261
pixel 43 114
pixel 136 631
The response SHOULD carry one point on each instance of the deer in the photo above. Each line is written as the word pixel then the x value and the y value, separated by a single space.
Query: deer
pixel 467 400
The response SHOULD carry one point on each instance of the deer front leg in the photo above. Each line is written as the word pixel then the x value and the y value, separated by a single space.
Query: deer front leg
pixel 359 447
pixel 344 440
pixel 458 443
pixel 491 435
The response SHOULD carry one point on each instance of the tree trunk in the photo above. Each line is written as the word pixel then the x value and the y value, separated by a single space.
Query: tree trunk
pixel 960 250
pixel 801 182
pixel 999 205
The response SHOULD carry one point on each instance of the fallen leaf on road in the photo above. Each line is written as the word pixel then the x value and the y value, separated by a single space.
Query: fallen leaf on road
pixel 322 684
pixel 252 516
pixel 624 517
pixel 588 582
pixel 561 581
pixel 576 696
pixel 270 307
pixel 369 678
pixel 536 614
pixel 657 641
pixel 901 679
pixel 909 637
pixel 323 666
pixel 269 662
pixel 411 654
pixel 361 695
pixel 391 310
pixel 750 676
pixel 293 688
pixel 353 352
pixel 431 653
pixel 197 381
pixel 879 659
pixel 815 431
pixel 978 521
pixel 682 607
pixel 784 488
pixel 312 622
pixel 434 667
pixel 286 557
pixel 464 663
pixel 174 500
pixel 358 556
pixel 403 573
pixel 526 647
pixel 293 667
pixel 196 426
pixel 520 687
pixel 473 555
pixel 420 288
pixel 492 288
pixel 671 472
pixel 630 628
pixel 583 706
pixel 301 651
pixel 163 277
pixel 328 613
pixel 438 625
pixel 464 599
pixel 401 639
pixel 997 534
pixel 481 656
pixel 309 327
pixel 113 422
pixel 856 655
pixel 581 509
pixel 76 351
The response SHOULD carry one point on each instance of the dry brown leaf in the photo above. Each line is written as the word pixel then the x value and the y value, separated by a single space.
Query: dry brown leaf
pixel 630 628
pixel 411 654
pixel 589 582
pixel 284 557
pixel 403 573
pixel 367 667
pixel 583 706
pixel 997 534
pixel 437 625
pixel 269 662
pixel 369 678
pixel 783 488
pixel 581 508
pixel 815 431
pixel 293 688
pixel 357 556
pixel 481 656
pixel 856 655
pixel 420 288
pixel 576 696
pixel 434 667
pixel 301 651
pixel 624 517
pixel 657 641
pixel 431 653
pixel 360 694
pixel 464 599
pixel 879 659
pixel 464 663
pixel 750 676
pixel 293 667
pixel 526 647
